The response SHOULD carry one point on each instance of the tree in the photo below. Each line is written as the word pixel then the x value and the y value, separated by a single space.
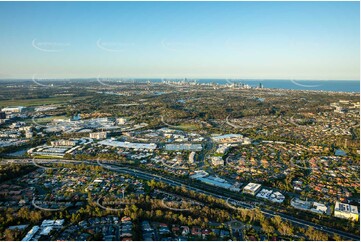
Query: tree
pixel 267 227
pixel 243 214
pixel 35 216
pixel 313 234
pixel 336 237
pixel 11 235
pixel 276 220
pixel 259 215
pixel 152 184
pixel 251 215
pixel 24 213
pixel 159 214
pixel 285 229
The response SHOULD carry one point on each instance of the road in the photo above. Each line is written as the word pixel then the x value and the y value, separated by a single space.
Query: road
pixel 151 176
pixel 266 212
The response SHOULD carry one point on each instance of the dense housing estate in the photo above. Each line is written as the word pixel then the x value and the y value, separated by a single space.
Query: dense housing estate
pixel 248 162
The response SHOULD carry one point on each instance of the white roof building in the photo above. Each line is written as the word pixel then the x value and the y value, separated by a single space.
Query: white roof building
pixel 98 135
pixel 129 145
pixel 185 146
pixel 277 197
pixel 264 193
pixel 199 174
pixel 319 208
pixel 217 161
pixel 252 188
pixel 31 233
pixel 347 211
pixel 17 109
pixel 216 181
pixel 46 230
pixel 228 138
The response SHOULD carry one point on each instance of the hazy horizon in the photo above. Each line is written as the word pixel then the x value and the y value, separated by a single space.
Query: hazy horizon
pixel 175 78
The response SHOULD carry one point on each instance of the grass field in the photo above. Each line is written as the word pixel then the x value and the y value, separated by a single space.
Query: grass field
pixel 47 119
pixel 46 157
pixel 188 126
pixel 37 102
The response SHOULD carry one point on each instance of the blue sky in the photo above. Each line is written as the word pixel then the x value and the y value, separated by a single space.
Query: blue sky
pixel 261 40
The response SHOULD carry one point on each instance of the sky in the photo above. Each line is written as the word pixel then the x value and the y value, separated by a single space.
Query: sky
pixel 249 40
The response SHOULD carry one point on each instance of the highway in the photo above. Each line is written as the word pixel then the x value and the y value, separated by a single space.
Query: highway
pixel 150 176
pixel 266 212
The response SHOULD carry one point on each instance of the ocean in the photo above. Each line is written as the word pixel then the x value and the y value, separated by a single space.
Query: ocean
pixel 334 86
pixel 330 85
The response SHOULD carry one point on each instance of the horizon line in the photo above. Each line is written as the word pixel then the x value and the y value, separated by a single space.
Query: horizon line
pixel 177 78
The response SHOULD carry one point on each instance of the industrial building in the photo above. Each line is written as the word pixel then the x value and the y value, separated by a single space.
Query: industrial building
pixel 252 188
pixel 98 135
pixel 199 174
pixel 122 121
pixel 64 142
pixel 18 109
pixel 218 182
pixel 217 161
pixel 180 147
pixel 272 196
pixel 191 157
pixel 31 233
pixel 319 208
pixel 128 145
pixel 228 138
pixel 347 211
